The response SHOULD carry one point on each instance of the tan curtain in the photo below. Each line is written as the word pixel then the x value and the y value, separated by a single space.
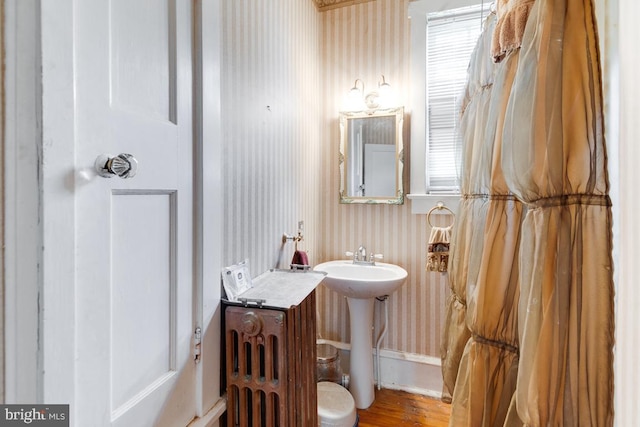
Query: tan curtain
pixel 487 371
pixel 467 235
pixel 556 162
pixel 540 308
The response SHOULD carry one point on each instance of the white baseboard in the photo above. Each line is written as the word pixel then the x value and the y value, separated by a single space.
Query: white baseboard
pixel 413 373
pixel 409 372
pixel 211 418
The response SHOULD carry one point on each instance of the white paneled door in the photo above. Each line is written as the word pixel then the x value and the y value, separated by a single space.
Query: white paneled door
pixel 134 236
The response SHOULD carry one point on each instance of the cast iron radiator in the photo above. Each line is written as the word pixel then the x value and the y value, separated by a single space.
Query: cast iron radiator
pixel 271 366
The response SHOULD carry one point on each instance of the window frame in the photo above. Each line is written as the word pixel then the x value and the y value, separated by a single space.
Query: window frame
pixel 422 201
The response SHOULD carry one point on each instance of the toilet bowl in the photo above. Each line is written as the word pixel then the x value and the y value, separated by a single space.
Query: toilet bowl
pixel 336 407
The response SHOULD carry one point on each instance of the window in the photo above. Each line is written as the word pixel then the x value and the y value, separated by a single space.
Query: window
pixel 443 36
pixel 451 38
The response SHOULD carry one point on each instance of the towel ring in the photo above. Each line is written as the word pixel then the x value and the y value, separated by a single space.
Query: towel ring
pixel 440 206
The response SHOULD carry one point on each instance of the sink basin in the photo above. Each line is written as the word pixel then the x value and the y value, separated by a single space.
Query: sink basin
pixel 362 281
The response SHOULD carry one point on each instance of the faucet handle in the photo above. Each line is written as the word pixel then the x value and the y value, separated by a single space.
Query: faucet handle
pixel 349 254
pixel 376 256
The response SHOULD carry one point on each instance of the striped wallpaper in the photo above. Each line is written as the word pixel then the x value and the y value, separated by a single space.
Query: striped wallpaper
pixel 365 41
pixel 287 68
pixel 270 109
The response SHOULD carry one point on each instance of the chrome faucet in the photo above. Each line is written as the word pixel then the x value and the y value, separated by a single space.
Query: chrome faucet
pixel 361 255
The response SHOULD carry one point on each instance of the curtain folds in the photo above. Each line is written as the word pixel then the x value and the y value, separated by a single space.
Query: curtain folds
pixel 467 235
pixel 487 372
pixel 556 163
pixel 531 268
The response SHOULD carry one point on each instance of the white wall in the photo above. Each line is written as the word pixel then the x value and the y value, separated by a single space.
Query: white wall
pixel 625 32
pixel 619 32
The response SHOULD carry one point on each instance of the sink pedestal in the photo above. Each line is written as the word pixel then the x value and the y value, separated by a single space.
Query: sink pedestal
pixel 361 384
pixel 361 283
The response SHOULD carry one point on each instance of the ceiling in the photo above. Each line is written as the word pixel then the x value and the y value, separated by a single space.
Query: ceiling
pixel 333 4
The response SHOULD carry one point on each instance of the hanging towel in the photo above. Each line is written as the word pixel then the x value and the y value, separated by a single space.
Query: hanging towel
pixel 509 30
pixel 300 260
pixel 438 249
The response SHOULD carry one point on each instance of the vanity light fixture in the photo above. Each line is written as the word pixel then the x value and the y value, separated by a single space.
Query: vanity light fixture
pixel 384 87
pixel 372 100
pixel 355 92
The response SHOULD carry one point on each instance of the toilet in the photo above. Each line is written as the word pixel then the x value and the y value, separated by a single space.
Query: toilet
pixel 336 407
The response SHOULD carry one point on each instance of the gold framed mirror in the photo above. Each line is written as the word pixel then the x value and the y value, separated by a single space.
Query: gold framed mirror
pixel 371 159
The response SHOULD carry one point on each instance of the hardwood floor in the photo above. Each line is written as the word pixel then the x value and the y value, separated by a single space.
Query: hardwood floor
pixel 394 408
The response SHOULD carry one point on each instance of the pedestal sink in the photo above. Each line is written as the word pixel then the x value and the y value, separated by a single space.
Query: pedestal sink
pixel 361 283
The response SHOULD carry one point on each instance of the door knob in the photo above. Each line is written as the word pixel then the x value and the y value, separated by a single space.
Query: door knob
pixel 123 165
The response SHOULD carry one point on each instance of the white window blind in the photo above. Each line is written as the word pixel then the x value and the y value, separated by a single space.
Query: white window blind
pixel 451 38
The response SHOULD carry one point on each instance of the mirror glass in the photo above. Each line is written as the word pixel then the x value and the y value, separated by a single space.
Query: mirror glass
pixel 371 156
